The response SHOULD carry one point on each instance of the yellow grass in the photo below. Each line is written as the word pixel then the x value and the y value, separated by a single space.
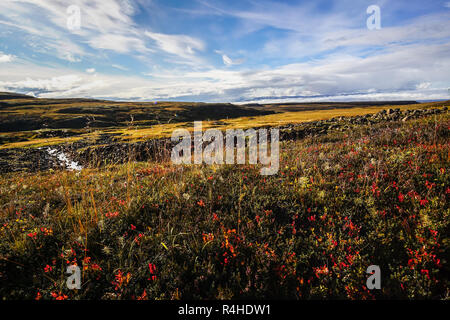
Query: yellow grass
pixel 134 134
pixel 40 142
pixel 165 130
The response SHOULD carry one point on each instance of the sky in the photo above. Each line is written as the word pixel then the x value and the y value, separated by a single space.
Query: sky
pixel 236 51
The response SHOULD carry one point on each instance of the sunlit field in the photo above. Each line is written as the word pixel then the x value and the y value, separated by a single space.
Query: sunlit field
pixel 341 201
pixel 224 159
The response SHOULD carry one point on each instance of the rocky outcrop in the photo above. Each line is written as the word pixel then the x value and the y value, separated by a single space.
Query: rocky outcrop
pixel 301 130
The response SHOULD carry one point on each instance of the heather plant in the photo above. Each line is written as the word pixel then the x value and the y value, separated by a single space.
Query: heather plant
pixel 373 195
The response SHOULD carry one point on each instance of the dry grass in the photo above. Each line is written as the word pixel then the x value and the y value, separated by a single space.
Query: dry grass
pixel 164 130
pixel 340 202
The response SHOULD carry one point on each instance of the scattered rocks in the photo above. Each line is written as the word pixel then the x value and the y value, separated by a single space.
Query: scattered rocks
pixel 108 149
pixel 298 131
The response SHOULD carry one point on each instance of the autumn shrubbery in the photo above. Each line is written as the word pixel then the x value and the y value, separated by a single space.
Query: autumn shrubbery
pixel 340 203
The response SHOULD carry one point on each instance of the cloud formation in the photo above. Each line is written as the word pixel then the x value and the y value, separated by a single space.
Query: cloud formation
pixel 269 51
pixel 6 57
pixel 179 45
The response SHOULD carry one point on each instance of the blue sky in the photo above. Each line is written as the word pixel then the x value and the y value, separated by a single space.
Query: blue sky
pixel 228 51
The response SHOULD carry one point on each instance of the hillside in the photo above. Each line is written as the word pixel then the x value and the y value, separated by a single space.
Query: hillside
pixel 107 130
pixel 366 194
pixel 19 114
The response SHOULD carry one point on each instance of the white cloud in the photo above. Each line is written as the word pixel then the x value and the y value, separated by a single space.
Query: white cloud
pixel 298 17
pixel 64 49
pixel 6 57
pixel 119 43
pixel 392 62
pixel 104 25
pixel 431 29
pixel 227 60
pixel 60 83
pixel 82 90
pixel 423 85
pixel 118 66
pixel 179 45
pixel 90 70
pixel 400 74
pixel 96 15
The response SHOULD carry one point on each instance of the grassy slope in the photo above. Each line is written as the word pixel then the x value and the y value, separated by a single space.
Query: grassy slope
pixel 33 114
pixel 340 203
pixel 135 131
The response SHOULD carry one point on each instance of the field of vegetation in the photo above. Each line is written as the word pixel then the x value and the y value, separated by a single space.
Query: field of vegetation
pixel 342 201
pixel 30 122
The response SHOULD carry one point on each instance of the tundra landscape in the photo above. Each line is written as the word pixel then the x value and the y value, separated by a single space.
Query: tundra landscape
pixel 359 184
pixel 224 159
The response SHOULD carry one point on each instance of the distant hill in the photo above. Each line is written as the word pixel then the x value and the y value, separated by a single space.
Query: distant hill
pixel 305 106
pixel 13 95
pixel 20 112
